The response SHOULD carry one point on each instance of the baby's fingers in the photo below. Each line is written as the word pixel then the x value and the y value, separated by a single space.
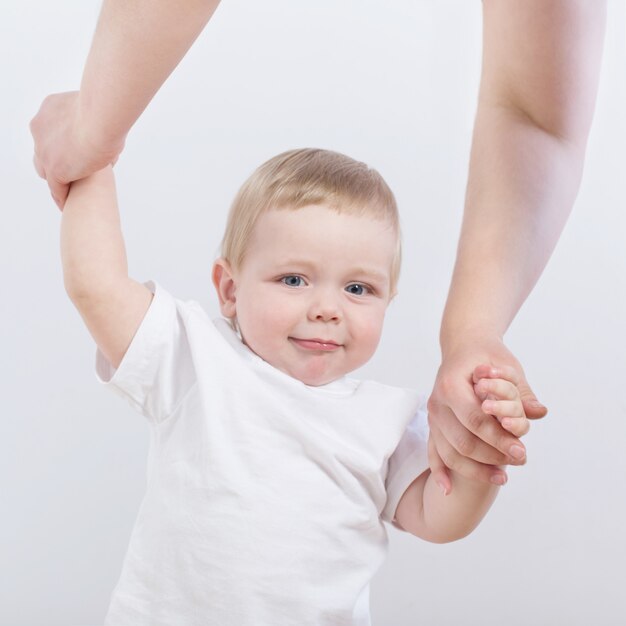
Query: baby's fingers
pixel 510 414
pixel 505 372
pixel 518 426
pixel 497 389
pixel 503 408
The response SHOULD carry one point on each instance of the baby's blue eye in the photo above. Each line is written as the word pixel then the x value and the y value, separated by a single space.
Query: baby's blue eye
pixel 357 289
pixel 292 281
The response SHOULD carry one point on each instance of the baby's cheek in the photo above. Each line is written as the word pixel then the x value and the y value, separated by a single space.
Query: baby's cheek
pixel 370 333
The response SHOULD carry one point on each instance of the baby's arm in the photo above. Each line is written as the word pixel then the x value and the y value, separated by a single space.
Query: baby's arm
pixel 95 271
pixel 425 510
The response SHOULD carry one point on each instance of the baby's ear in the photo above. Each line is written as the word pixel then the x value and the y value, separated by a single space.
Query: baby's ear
pixel 225 286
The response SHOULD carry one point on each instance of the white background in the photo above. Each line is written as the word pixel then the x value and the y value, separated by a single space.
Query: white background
pixel 390 83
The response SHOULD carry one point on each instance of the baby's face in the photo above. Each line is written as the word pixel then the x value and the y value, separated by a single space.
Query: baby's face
pixel 311 294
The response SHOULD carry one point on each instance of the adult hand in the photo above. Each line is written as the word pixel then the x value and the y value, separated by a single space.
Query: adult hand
pixel 466 439
pixel 65 150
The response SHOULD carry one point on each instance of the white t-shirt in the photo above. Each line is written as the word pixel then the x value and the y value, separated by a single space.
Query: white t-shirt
pixel 265 497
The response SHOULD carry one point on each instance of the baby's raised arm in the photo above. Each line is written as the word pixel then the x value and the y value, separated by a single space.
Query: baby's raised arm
pixel 436 514
pixel 95 270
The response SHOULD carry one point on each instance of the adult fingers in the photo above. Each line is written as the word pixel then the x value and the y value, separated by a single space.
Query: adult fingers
pixel 438 468
pixel 482 438
pixel 479 448
pixel 59 192
pixel 532 407
pixel 518 426
pixel 503 408
pixel 464 465
pixel 39 167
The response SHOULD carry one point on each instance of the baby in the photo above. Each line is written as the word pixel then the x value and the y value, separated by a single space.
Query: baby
pixel 270 470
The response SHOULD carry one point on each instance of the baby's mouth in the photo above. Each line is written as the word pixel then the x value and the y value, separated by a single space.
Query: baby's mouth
pixel 323 345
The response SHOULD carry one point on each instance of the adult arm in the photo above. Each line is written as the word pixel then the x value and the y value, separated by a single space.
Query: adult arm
pixel 136 45
pixel 541 64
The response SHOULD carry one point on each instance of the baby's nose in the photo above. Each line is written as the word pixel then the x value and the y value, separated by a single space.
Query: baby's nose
pixel 325 308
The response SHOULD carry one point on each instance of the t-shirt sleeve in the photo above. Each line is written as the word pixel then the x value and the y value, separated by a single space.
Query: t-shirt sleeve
pixel 409 460
pixel 157 370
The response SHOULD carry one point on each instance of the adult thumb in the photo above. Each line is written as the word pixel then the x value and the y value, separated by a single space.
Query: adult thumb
pixel 59 192
pixel 532 407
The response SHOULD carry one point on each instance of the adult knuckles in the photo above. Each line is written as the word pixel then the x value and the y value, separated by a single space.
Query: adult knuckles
pixel 432 406
pixel 451 459
pixel 466 467
pixel 446 385
pixel 475 420
pixel 465 444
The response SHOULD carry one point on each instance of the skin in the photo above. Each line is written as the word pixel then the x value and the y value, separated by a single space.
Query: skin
pixel 539 79
pixel 441 514
pixel 136 46
pixel 325 282
pixel 541 65
pixel 326 273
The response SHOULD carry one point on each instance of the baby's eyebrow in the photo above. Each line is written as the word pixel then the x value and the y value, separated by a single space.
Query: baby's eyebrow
pixel 359 271
pixel 297 263
pixel 371 274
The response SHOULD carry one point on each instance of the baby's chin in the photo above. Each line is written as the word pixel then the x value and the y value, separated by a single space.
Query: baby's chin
pixel 315 375
pixel 312 377
pixel 312 382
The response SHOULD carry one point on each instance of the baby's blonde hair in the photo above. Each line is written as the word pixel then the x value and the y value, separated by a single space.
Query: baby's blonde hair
pixel 305 177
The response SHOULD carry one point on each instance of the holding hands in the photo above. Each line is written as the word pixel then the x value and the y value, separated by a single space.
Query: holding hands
pixel 498 389
pixel 478 413
pixel 66 149
pixel 137 45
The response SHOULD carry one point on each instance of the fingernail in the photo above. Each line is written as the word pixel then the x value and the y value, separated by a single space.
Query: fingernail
pixel 499 479
pixel 517 452
pixel 443 488
pixel 537 405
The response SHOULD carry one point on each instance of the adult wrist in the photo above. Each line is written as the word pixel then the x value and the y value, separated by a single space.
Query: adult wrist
pixel 452 338
pixel 93 136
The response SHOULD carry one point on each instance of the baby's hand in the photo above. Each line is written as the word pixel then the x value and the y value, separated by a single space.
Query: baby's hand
pixel 497 388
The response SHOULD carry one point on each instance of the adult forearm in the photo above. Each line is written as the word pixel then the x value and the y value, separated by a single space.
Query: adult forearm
pixel 522 185
pixel 136 46
pixel 541 66
pixel 92 247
